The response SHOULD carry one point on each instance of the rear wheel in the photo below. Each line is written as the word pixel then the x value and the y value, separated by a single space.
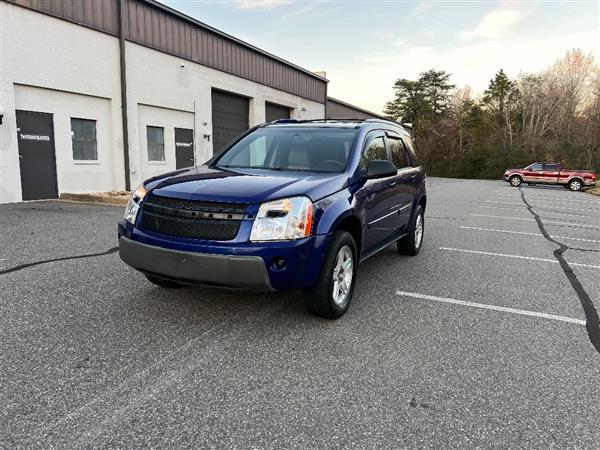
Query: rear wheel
pixel 331 296
pixel 515 181
pixel 412 242
pixel 575 185
pixel 163 283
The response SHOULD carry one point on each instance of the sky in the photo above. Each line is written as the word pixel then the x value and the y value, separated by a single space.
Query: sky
pixel 364 46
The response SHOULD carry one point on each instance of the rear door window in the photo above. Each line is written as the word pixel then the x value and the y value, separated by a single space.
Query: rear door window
pixel 400 156
pixel 550 167
pixel 410 146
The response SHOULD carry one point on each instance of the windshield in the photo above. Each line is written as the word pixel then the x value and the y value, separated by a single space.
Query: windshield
pixel 292 149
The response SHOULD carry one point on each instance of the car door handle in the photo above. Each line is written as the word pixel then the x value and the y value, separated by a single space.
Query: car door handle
pixel 393 183
pixel 413 178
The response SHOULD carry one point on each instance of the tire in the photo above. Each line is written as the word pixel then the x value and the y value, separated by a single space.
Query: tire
pixel 163 283
pixel 320 299
pixel 575 185
pixel 411 243
pixel 515 181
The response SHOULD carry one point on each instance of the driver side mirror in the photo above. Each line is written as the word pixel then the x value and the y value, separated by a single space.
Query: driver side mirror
pixel 380 169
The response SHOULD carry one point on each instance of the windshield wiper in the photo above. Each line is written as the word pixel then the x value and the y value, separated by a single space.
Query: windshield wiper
pixel 249 167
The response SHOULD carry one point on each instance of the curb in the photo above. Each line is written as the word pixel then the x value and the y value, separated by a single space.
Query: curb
pixel 103 199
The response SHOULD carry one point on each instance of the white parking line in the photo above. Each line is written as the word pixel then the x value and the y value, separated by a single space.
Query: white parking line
pixel 504 255
pixel 524 209
pixel 556 201
pixel 574 224
pixel 547 205
pixel 527 234
pixel 522 312
pixel 548 198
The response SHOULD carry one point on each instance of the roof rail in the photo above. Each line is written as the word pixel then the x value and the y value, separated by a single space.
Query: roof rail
pixel 406 126
pixel 317 120
pixel 285 121
pixel 381 120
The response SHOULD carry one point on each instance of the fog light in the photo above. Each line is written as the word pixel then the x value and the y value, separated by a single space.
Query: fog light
pixel 279 263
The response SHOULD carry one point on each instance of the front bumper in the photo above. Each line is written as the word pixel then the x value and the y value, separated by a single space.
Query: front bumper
pixel 245 272
pixel 238 264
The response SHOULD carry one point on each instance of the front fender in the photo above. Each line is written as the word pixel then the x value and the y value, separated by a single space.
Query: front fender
pixel 332 210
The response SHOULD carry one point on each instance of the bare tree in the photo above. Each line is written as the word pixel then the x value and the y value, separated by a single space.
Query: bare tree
pixel 539 105
pixel 571 75
pixel 461 104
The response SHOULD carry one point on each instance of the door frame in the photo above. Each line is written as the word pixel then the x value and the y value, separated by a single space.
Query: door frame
pixel 52 139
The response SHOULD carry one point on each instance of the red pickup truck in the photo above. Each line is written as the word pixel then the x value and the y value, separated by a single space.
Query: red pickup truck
pixel 545 173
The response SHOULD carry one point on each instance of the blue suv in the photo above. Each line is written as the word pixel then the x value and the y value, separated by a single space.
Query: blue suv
pixel 288 204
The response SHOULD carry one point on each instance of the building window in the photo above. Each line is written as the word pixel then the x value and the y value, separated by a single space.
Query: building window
pixel 156 143
pixel 83 133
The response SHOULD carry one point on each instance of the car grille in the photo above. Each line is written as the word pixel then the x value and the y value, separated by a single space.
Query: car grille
pixel 192 219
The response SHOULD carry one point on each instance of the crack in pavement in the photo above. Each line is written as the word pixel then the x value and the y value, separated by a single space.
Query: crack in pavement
pixel 592 323
pixel 63 258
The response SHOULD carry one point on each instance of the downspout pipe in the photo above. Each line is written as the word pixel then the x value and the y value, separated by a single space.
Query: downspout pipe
pixel 123 68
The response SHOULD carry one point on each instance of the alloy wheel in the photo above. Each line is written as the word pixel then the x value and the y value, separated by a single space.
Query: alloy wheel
pixel 418 231
pixel 342 275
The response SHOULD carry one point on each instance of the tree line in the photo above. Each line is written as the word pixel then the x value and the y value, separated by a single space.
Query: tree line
pixel 549 116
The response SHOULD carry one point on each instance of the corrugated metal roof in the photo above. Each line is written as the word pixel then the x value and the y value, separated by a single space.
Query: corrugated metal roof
pixel 338 109
pixel 152 24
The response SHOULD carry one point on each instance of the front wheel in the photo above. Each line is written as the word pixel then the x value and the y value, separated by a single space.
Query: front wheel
pixel 515 181
pixel 575 185
pixel 412 242
pixel 331 296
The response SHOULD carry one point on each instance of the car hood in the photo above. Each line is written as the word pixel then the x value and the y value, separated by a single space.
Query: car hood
pixel 244 185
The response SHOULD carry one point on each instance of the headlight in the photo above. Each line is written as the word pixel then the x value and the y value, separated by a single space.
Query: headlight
pixel 288 218
pixel 133 205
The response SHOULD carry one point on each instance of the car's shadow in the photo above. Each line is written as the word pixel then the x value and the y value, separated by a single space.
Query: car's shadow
pixel 192 305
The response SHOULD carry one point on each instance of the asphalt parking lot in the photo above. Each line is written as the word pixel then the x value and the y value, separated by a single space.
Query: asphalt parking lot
pixel 489 337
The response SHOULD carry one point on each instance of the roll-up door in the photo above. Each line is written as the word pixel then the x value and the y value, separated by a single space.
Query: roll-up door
pixel 276 112
pixel 229 117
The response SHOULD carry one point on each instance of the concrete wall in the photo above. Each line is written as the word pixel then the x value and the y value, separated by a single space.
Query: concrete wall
pixel 72 175
pixel 54 55
pixel 169 119
pixel 50 65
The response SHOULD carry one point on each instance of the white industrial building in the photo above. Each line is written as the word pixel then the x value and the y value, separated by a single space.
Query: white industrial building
pixel 68 67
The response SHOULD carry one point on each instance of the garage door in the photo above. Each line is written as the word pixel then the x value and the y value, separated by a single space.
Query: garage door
pixel 229 118
pixel 275 112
